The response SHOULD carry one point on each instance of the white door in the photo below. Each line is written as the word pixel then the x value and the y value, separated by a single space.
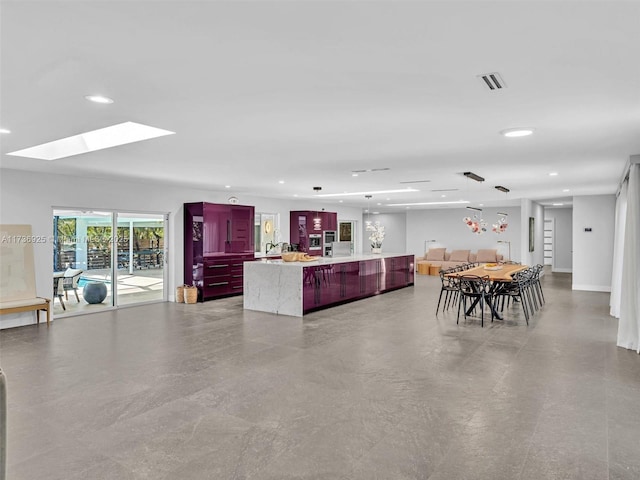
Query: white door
pixel 548 241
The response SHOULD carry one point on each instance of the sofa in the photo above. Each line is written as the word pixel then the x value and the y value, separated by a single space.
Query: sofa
pixel 441 258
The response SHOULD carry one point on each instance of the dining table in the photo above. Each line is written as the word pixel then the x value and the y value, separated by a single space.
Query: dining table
pixel 499 277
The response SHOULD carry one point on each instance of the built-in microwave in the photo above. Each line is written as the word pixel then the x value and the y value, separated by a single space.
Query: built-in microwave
pixel 330 236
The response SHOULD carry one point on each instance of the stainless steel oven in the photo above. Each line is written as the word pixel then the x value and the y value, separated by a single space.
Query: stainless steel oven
pixel 329 236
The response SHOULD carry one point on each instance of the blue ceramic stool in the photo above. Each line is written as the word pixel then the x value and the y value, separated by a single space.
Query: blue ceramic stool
pixel 94 292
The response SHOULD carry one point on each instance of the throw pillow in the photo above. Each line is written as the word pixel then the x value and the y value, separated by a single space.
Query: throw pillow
pixel 436 254
pixel 459 256
pixel 486 256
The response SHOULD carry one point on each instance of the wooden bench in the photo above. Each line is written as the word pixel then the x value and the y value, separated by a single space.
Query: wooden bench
pixel 37 304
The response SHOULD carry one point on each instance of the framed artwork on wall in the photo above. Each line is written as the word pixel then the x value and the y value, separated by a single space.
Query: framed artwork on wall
pixel 532 234
pixel 345 232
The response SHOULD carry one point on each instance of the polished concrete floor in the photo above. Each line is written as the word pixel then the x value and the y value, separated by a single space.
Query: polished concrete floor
pixel 376 389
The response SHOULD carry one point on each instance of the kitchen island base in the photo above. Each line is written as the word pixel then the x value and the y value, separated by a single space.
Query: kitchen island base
pixel 297 288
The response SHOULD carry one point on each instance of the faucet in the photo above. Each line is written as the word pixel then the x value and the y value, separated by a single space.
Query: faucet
pixel 270 246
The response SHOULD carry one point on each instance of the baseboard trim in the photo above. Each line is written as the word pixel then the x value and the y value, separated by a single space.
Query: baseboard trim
pixel 592 288
pixel 561 270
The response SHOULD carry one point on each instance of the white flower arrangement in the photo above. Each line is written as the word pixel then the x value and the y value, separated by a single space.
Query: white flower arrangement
pixel 377 234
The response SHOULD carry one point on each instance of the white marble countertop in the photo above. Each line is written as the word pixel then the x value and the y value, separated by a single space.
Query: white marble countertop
pixel 328 260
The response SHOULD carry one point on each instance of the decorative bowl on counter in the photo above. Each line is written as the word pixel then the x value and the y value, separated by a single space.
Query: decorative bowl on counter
pixel 492 266
pixel 297 257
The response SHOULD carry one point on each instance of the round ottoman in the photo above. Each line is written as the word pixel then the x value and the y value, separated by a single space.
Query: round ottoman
pixel 94 292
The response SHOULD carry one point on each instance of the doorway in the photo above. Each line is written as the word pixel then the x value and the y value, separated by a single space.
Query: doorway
pixel 346 233
pixel 96 269
pixel 548 241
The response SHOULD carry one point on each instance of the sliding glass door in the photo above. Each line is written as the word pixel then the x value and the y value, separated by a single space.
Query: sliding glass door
pixel 140 258
pixel 107 259
pixel 82 254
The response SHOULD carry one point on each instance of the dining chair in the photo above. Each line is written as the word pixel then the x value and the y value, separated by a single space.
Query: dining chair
pixel 516 290
pixel 477 290
pixel 449 288
pixel 536 282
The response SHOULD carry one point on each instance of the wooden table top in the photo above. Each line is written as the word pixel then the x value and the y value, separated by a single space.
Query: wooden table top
pixel 502 275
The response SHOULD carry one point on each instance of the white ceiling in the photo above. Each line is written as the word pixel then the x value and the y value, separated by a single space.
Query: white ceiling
pixel 306 92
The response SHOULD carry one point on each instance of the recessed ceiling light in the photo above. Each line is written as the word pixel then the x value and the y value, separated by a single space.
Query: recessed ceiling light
pixel 340 201
pixel 280 182
pixel 376 213
pixel 379 203
pixel 482 204
pixel 558 204
pixel 354 174
pixel 4 130
pixel 443 196
pixel 113 136
pixel 517 132
pixel 227 186
pixel 351 194
pixel 566 190
pixel 295 194
pixel 99 99
pixel 553 174
pixel 427 203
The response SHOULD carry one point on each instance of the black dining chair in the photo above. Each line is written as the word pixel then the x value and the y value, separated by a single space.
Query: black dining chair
pixel 476 289
pixel 517 290
pixel 449 288
pixel 537 286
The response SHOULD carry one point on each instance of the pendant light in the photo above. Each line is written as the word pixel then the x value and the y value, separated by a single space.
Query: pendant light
pixel 368 223
pixel 503 220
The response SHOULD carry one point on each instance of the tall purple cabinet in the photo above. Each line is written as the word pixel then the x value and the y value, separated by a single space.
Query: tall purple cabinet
pixel 218 239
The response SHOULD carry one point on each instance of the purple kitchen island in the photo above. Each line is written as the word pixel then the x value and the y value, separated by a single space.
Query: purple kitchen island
pixel 297 288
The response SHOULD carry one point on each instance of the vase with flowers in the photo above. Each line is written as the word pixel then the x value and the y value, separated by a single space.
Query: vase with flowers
pixel 376 237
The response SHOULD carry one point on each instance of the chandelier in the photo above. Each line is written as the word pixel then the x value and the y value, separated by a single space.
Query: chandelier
pixel 502 224
pixel 475 223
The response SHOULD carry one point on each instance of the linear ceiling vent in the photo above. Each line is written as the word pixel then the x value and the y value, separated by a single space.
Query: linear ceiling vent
pixel 417 181
pixel 365 170
pixel 493 81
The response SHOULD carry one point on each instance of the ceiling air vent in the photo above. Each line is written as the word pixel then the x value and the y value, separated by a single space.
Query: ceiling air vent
pixel 493 81
pixel 416 181
pixel 365 170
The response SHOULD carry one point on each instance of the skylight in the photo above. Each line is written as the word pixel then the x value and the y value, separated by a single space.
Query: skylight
pixel 113 136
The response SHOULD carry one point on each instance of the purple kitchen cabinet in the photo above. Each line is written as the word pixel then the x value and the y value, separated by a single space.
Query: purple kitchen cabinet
pixel 336 283
pixel 218 239
pixel 304 224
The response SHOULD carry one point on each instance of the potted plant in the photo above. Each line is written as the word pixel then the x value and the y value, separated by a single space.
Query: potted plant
pixel 377 236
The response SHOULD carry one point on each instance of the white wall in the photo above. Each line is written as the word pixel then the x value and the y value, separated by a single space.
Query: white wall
pixel 593 251
pixel 446 227
pixel 395 228
pixel 28 198
pixel 562 238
